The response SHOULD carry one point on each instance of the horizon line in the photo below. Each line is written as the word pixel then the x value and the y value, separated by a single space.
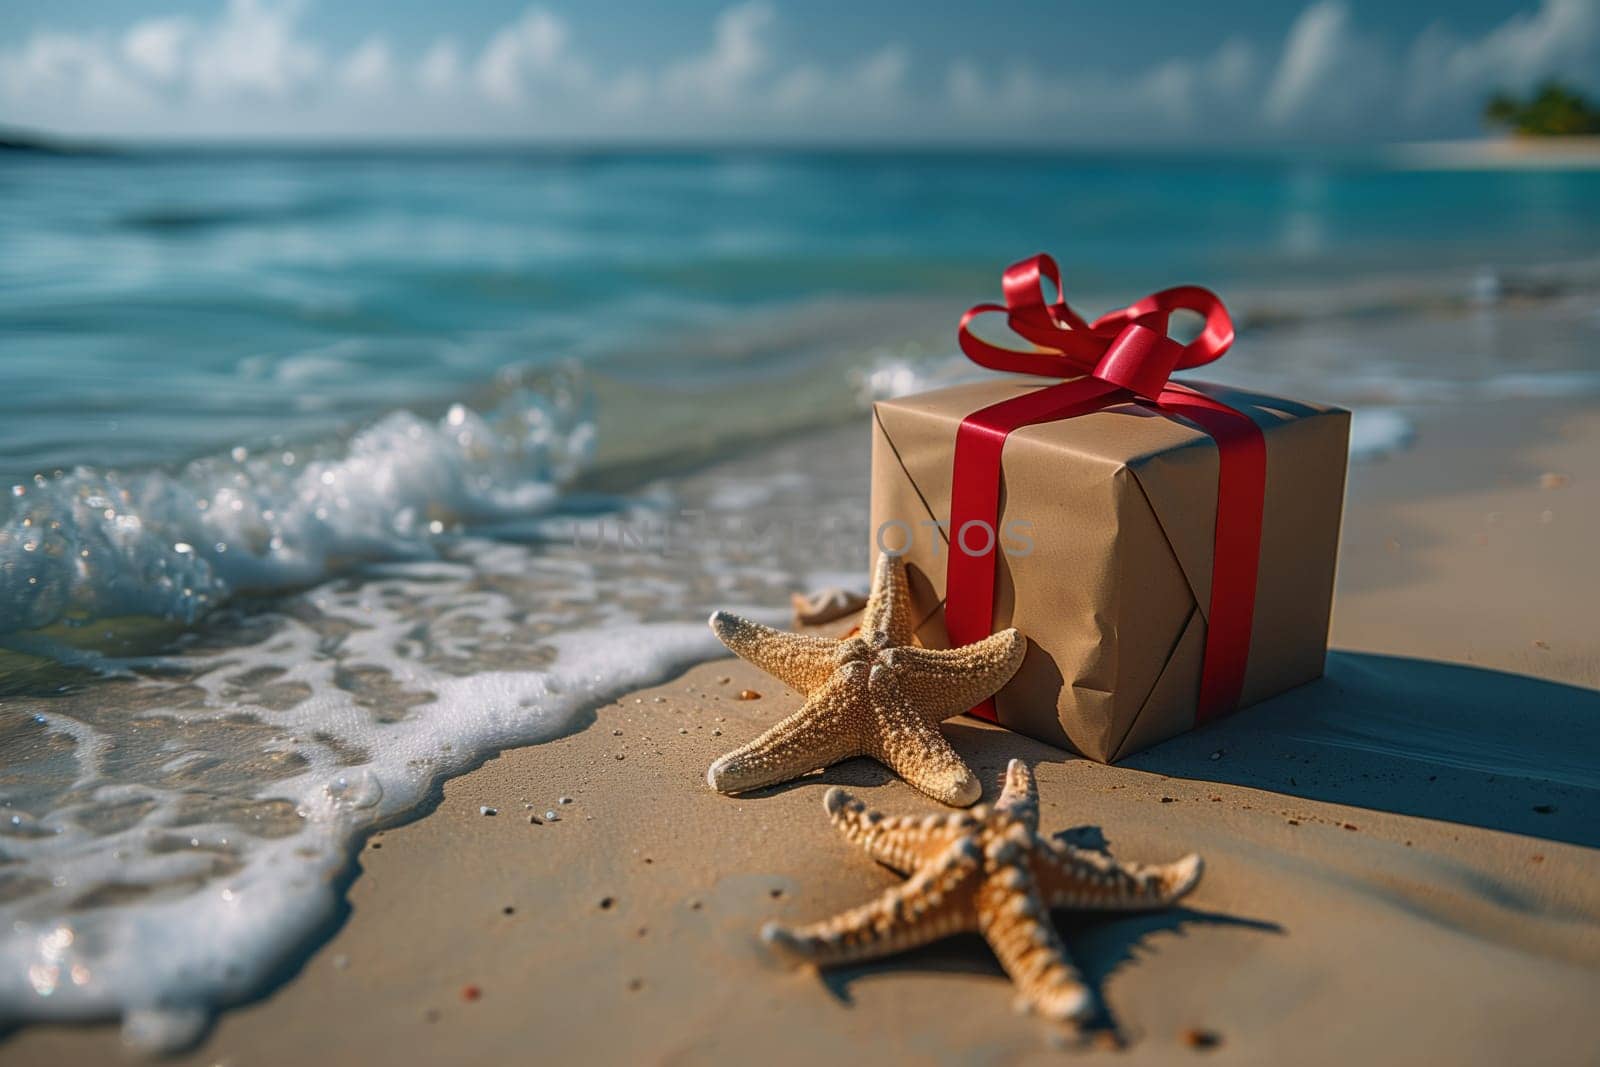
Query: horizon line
pixel 21 138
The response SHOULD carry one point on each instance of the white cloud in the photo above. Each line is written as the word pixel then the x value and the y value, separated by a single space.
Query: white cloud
pixel 1318 42
pixel 368 69
pixel 738 54
pixel 800 89
pixel 875 86
pixel 625 92
pixel 1168 98
pixel 531 55
pixel 251 68
pixel 883 73
pixel 155 47
pixel 163 75
pixel 964 86
pixel 1232 68
pixel 254 51
pixel 66 73
pixel 1331 75
pixel 440 69
pixel 1559 38
pixel 1171 90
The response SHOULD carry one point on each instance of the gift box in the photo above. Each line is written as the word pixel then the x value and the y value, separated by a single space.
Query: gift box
pixel 1167 549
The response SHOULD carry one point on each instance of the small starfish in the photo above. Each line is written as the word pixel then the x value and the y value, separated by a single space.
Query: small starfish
pixel 826 605
pixel 872 694
pixel 988 872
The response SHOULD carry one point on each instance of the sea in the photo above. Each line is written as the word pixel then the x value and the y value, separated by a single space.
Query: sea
pixel 325 474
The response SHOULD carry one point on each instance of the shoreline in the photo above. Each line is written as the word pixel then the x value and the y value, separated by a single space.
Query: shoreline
pixel 644 430
pixel 1511 152
pixel 1459 629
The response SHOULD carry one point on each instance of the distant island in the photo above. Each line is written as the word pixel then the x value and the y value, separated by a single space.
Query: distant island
pixel 1553 128
pixel 14 140
pixel 1551 110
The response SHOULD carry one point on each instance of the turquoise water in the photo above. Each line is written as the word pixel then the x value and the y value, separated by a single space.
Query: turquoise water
pixel 240 372
pixel 157 306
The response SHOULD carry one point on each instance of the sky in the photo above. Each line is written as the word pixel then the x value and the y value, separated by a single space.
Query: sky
pixel 1134 72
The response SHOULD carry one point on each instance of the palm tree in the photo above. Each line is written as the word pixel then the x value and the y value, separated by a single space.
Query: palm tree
pixel 1553 110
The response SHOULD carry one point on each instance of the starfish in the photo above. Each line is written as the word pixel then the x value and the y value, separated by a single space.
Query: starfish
pixel 871 694
pixel 987 872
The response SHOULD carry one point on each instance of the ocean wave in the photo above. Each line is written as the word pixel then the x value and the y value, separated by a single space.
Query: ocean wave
pixel 178 219
pixel 95 543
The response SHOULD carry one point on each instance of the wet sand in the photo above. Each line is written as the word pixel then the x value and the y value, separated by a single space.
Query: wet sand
pixel 1402 859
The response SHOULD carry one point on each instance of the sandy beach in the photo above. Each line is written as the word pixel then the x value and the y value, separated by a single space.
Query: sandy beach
pixel 411 414
pixel 1401 858
pixel 1531 153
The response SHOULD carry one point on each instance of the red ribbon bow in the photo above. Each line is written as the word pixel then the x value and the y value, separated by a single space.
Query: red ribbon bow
pixel 1125 355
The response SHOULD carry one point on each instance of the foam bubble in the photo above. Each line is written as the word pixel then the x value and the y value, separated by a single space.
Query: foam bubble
pixel 1379 432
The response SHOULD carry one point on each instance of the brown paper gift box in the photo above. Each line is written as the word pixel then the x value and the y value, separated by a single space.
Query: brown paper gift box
pixel 1120 506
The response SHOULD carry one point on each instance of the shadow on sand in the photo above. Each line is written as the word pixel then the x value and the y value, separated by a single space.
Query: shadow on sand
pixel 1100 945
pixel 1414 737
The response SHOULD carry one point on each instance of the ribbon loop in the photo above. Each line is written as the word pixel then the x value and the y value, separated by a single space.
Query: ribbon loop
pixel 1216 335
pixel 1065 346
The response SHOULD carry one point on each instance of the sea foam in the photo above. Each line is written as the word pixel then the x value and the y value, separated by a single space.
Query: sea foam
pixel 92 543
pixel 187 819
pixel 164 900
pixel 1379 432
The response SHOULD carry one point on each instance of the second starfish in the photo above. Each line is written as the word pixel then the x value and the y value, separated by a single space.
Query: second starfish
pixel 873 694
pixel 986 871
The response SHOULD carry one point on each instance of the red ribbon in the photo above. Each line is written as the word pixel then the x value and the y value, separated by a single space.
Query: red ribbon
pixel 1124 356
